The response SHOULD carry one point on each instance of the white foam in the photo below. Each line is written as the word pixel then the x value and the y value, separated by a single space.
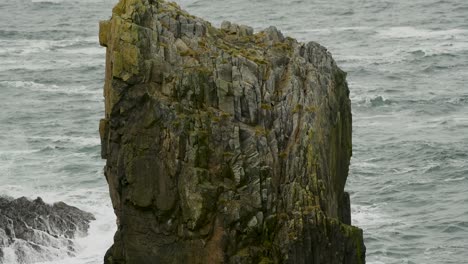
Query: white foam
pixel 85 51
pixel 80 141
pixel 412 32
pixel 441 47
pixel 9 256
pixel 29 253
pixel 455 179
pixel 334 29
pixel 47 1
pixel 428 42
pixel 364 164
pixel 369 216
pixel 28 46
pixel 52 88
pixel 27 84
pixel 81 1
pixel 91 248
pixel 365 58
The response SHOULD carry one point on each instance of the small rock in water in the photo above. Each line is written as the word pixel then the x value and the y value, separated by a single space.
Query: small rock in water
pixel 32 231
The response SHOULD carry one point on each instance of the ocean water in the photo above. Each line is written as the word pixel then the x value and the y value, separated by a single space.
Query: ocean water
pixel 407 64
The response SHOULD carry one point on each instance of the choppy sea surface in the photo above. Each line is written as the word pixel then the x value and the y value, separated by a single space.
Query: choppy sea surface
pixel 407 64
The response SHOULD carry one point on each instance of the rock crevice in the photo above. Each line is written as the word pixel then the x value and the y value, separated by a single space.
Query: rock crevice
pixel 223 146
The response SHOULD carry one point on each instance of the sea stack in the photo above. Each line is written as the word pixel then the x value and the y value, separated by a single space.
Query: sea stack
pixel 223 146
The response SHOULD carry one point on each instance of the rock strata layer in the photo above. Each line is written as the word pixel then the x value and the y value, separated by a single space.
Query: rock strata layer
pixel 223 146
pixel 33 231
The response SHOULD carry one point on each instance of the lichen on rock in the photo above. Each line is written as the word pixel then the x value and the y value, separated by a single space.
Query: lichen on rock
pixel 223 145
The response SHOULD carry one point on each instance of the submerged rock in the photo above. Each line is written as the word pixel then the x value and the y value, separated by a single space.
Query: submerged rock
pixel 223 146
pixel 33 231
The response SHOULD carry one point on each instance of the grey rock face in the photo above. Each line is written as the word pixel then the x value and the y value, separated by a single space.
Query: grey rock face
pixel 223 146
pixel 32 231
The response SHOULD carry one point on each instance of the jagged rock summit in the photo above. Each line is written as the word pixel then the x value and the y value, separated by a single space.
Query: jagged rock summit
pixel 223 146
pixel 33 231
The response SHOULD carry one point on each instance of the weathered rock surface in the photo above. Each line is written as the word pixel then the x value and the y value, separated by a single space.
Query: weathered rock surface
pixel 33 231
pixel 223 146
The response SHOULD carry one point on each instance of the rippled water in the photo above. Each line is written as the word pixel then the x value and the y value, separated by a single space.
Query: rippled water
pixel 51 79
pixel 407 64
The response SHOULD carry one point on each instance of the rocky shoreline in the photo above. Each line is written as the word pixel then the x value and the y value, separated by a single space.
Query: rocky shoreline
pixel 223 146
pixel 33 231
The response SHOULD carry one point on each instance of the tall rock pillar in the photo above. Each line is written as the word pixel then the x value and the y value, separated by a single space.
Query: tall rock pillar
pixel 223 146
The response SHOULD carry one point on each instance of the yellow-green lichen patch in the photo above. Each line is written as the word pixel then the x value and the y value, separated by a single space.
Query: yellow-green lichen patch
pixel 104 31
pixel 117 64
pixel 297 108
pixel 354 234
pixel 265 106
pixel 261 131
pixel 311 109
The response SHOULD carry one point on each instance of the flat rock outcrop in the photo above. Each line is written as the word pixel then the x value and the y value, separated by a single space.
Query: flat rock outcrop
pixel 223 146
pixel 33 231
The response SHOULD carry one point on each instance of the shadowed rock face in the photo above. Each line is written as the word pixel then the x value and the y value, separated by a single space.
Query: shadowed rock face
pixel 223 146
pixel 32 231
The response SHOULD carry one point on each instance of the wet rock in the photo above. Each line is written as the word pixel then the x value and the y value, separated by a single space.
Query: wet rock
pixel 32 231
pixel 223 146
